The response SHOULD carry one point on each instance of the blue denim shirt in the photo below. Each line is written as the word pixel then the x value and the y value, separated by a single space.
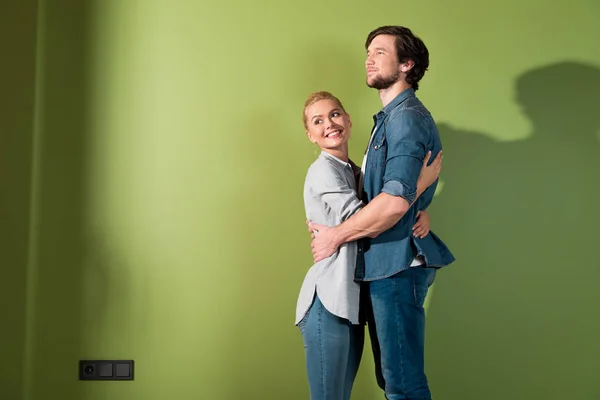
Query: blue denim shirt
pixel 404 132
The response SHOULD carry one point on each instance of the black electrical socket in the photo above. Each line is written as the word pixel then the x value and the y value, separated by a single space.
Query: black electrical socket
pixel 106 370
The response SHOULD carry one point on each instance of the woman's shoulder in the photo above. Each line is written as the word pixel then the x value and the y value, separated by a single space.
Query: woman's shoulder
pixel 323 169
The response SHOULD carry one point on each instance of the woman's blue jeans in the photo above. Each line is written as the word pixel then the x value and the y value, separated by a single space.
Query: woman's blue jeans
pixel 333 348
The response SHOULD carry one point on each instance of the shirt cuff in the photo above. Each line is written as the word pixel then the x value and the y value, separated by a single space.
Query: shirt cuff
pixel 397 188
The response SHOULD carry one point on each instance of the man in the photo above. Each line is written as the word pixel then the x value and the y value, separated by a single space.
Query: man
pixel 396 267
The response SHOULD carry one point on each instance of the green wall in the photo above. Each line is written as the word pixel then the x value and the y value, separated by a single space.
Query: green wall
pixel 166 216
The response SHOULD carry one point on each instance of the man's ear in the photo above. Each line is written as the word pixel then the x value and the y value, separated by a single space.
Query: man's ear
pixel 406 66
pixel 349 120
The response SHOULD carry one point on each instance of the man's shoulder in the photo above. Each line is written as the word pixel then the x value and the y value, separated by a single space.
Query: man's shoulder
pixel 411 108
pixel 408 120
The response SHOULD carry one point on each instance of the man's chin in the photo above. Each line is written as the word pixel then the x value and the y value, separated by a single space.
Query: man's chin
pixel 378 84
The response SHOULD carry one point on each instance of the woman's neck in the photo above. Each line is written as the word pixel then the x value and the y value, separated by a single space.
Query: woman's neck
pixel 339 152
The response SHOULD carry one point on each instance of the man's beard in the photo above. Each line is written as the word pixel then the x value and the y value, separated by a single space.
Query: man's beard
pixel 381 83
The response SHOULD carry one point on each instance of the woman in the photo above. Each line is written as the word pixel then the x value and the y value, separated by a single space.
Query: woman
pixel 327 311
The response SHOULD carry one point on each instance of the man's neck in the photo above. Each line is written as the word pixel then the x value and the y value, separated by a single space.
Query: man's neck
pixel 389 94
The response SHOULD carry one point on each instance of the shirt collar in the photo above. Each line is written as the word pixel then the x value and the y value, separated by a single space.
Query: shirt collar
pixel 403 95
pixel 332 157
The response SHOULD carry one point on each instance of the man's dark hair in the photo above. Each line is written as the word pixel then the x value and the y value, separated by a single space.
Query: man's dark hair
pixel 408 47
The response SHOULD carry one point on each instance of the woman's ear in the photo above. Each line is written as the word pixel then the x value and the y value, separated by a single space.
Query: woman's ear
pixel 310 137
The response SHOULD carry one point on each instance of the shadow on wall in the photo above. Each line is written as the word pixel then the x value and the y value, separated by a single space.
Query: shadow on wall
pixel 17 80
pixel 60 242
pixel 516 317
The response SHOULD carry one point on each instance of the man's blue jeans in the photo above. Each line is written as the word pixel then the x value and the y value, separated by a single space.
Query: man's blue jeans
pixel 333 348
pixel 396 319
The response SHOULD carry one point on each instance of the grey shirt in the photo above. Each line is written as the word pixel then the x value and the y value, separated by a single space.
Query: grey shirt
pixel 329 199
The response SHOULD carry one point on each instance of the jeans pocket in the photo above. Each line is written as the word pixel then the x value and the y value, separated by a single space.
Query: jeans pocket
pixel 304 319
pixel 423 278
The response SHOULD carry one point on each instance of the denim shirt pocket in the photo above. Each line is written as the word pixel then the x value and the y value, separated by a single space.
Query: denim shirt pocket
pixel 379 140
pixel 377 152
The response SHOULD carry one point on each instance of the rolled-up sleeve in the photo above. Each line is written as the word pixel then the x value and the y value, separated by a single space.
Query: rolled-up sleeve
pixel 336 193
pixel 407 136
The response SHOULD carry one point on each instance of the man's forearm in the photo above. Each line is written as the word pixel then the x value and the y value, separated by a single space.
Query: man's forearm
pixel 383 212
